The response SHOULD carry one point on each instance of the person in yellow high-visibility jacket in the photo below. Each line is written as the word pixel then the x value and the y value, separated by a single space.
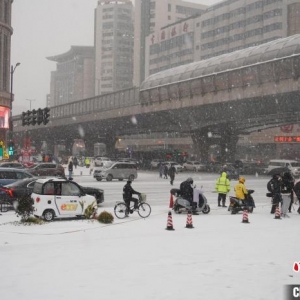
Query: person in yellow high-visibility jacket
pixel 222 187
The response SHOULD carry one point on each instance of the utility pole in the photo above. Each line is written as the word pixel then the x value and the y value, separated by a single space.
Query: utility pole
pixel 30 102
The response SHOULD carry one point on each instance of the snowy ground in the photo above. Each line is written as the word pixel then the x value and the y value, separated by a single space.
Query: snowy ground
pixel 220 258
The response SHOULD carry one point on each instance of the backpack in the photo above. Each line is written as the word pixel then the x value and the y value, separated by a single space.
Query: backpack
pixel 270 186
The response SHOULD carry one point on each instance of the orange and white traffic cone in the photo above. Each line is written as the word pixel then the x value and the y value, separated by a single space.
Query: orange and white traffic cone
pixel 170 222
pixel 277 213
pixel 245 216
pixel 171 202
pixel 189 220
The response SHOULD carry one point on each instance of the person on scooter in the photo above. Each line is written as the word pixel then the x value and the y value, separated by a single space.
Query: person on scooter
pixel 128 191
pixel 288 183
pixel 187 192
pixel 240 189
pixel 222 188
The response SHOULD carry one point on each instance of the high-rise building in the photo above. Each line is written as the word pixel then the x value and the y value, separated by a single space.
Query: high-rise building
pixel 113 46
pixel 5 79
pixel 237 24
pixel 151 15
pixel 74 76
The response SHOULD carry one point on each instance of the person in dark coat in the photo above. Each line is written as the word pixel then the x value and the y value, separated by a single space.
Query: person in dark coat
pixel 288 183
pixel 70 168
pixel 166 171
pixel 75 162
pixel 275 189
pixel 187 192
pixel 128 191
pixel 172 173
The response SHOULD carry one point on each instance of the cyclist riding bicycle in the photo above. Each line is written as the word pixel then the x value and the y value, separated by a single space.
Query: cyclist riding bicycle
pixel 128 191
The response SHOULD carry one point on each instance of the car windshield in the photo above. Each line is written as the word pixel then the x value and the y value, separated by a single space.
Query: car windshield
pixel 295 164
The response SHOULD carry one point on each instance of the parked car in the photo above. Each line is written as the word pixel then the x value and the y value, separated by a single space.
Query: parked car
pixel 9 164
pixel 47 169
pixel 195 166
pixel 155 163
pixel 59 198
pixel 178 167
pixel 99 160
pixel 292 165
pixel 14 191
pixel 10 175
pixel 118 170
pixel 251 168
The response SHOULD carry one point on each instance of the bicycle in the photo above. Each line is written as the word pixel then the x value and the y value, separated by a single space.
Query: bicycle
pixel 144 209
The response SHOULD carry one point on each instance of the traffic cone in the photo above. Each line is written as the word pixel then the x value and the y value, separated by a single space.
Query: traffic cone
pixel 277 213
pixel 189 220
pixel 170 222
pixel 245 216
pixel 171 202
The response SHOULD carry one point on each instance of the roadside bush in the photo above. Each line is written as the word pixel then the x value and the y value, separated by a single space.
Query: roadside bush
pixel 33 220
pixel 25 207
pixel 90 210
pixel 105 217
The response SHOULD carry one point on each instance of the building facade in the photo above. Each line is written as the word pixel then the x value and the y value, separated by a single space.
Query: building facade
pixel 113 46
pixel 237 24
pixel 6 97
pixel 74 76
pixel 150 16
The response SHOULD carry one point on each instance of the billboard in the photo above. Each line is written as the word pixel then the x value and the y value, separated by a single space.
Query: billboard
pixel 4 117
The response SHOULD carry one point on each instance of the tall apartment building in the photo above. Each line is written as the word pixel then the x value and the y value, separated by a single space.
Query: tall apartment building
pixel 5 42
pixel 113 46
pixel 224 27
pixel 74 76
pixel 151 15
pixel 237 24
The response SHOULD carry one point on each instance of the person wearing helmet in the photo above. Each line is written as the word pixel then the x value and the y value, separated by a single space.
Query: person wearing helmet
pixel 187 192
pixel 240 189
pixel 128 191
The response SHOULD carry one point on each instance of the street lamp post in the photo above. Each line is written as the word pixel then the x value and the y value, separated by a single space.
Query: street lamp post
pixel 12 70
pixel 30 102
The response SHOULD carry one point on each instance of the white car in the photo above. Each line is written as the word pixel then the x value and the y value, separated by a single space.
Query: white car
pixel 59 198
pixel 155 162
pixel 178 167
pixel 99 160
pixel 195 166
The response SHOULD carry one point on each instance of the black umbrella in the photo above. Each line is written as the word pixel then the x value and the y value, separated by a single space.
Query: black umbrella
pixel 279 171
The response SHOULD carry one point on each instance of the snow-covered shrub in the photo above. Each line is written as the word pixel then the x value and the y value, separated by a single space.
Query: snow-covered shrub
pixel 105 217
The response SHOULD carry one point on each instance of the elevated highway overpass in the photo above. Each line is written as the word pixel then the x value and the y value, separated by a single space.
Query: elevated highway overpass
pixel 229 95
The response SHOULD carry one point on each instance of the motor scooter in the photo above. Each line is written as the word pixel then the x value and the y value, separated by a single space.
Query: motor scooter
pixel 237 205
pixel 182 205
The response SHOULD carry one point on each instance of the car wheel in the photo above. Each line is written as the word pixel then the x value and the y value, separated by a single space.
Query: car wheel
pixel 109 177
pixel 98 178
pixel 120 179
pixel 49 215
pixel 131 177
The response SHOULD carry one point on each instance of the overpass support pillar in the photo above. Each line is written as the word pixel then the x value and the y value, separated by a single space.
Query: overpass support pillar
pixel 228 143
pixel 201 144
pixel 110 142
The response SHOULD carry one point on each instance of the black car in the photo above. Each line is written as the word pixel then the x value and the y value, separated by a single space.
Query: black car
pixel 9 164
pixel 12 192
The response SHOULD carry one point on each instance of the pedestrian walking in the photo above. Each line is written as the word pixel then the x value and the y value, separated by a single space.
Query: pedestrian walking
pixel 222 187
pixel 166 171
pixel 161 170
pixel 70 168
pixel 172 172
pixel 75 162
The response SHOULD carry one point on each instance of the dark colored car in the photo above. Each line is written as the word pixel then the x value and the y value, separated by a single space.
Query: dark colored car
pixel 10 175
pixel 251 168
pixel 12 165
pixel 12 192
pixel 47 169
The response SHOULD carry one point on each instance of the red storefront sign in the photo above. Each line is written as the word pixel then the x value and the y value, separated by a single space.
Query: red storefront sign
pixel 287 139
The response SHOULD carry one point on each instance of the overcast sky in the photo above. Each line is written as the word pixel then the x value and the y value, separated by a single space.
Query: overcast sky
pixel 44 28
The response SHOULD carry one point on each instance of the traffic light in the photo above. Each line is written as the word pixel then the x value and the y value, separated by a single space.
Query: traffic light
pixel 11 148
pixel 24 119
pixel 29 117
pixel 34 117
pixel 46 115
pixel 40 116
